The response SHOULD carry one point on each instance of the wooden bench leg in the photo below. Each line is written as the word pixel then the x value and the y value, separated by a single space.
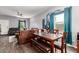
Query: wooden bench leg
pixel 31 43
pixel 55 50
pixel 62 51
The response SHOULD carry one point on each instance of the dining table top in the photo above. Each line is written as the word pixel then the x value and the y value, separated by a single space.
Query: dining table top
pixel 49 36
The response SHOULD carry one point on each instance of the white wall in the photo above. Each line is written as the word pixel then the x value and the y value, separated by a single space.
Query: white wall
pixel 10 22
pixel 13 21
pixel 75 23
pixel 36 22
pixel 75 20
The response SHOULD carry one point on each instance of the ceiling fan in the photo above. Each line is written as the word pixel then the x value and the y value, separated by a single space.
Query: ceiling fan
pixel 19 14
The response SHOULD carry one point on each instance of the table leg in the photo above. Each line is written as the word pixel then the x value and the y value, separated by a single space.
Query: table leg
pixel 52 47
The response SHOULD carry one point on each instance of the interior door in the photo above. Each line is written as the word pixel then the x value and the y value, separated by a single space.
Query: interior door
pixel 4 26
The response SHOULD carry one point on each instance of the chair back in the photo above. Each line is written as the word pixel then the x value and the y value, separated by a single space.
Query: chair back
pixel 42 30
pixel 35 30
pixel 63 39
pixel 56 31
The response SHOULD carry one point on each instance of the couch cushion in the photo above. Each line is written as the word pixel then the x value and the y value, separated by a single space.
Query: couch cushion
pixel 12 31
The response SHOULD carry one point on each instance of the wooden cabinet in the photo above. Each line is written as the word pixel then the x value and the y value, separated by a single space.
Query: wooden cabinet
pixel 78 42
pixel 77 46
pixel 24 36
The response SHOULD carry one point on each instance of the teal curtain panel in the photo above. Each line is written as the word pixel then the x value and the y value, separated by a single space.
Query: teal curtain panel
pixel 67 24
pixel 51 23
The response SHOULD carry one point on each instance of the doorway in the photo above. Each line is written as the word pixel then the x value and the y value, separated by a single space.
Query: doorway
pixel 4 25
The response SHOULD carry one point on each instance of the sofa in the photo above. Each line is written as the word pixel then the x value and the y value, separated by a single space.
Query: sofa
pixel 12 31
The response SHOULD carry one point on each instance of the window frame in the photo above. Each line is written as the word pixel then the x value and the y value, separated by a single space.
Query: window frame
pixel 57 13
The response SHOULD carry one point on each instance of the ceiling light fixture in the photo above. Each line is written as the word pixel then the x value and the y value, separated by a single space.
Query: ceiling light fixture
pixel 19 14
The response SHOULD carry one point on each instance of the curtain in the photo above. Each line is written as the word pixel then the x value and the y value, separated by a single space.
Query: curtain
pixel 67 24
pixel 43 23
pixel 47 21
pixel 51 23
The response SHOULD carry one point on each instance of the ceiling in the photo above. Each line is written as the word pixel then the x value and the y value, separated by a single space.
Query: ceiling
pixel 27 11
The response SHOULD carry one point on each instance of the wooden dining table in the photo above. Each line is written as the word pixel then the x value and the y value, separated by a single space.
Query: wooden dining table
pixel 51 37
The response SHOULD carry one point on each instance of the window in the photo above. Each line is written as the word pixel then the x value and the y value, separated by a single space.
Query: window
pixel 59 22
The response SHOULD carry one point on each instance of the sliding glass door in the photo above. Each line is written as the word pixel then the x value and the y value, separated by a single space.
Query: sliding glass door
pixel 59 22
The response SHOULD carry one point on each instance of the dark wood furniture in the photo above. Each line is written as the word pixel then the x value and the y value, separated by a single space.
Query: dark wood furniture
pixel 61 45
pixel 77 46
pixel 35 30
pixel 46 41
pixel 56 31
pixel 24 37
pixel 78 42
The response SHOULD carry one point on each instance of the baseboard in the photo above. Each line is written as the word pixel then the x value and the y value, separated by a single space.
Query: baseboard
pixel 72 46
pixel 3 34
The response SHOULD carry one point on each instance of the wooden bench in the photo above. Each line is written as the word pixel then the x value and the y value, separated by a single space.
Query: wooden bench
pixel 41 44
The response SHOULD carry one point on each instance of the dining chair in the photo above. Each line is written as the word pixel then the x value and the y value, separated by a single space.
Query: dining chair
pixel 45 30
pixel 48 30
pixel 36 30
pixel 42 30
pixel 56 31
pixel 61 44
